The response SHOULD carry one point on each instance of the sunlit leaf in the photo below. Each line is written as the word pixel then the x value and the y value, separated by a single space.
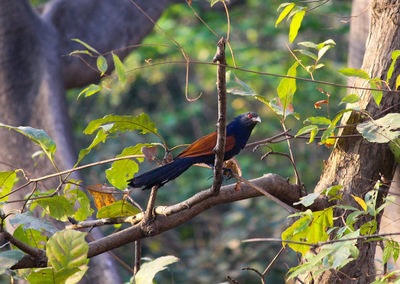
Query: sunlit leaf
pixel 119 68
pixel 323 50
pixel 381 130
pixel 148 270
pixel 287 87
pixel 102 64
pixel 38 136
pixel 84 211
pixel 7 181
pixel 397 81
pixel 377 95
pixel 30 237
pixel 81 52
pixel 235 86
pixel 90 90
pixel 349 99
pixel 360 202
pixel 101 137
pixel 307 53
pixel 86 45
pixel 320 120
pixel 395 55
pixel 117 209
pixel 352 72
pixel 213 2
pixel 285 12
pixel 295 24
pixel 57 207
pixel 308 44
pixel 313 129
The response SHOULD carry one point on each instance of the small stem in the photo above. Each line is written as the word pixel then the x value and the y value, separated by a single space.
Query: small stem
pixel 138 256
pixel 148 215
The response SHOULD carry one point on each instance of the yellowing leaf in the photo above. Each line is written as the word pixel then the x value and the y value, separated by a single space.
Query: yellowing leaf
pixel 101 196
pixel 284 13
pixel 361 202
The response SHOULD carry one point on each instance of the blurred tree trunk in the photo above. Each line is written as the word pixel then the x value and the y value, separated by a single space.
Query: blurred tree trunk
pixel 35 73
pixel 355 163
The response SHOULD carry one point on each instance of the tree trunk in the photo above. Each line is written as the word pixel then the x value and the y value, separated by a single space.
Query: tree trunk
pixel 35 73
pixel 355 163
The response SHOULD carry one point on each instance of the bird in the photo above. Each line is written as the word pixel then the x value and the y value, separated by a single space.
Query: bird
pixel 201 151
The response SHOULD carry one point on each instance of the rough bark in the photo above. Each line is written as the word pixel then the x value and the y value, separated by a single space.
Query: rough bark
pixel 35 73
pixel 357 164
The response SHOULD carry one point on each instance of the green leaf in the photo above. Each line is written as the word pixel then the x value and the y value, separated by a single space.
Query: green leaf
pixel 397 81
pixel 86 45
pixel 308 44
pixel 101 137
pixel 395 55
pixel 295 24
pixel 91 90
pixel 213 2
pixel 67 254
pixel 38 136
pixel 349 99
pixel 102 64
pixel 352 72
pixel 395 148
pixel 80 52
pixel 381 130
pixel 28 221
pixel 308 199
pixel 287 87
pixel 313 129
pixel 387 252
pixel 30 237
pixel 119 68
pixel 84 211
pixel 123 170
pixel 117 209
pixel 377 95
pixel 284 12
pixel 7 181
pixel 235 86
pixel 9 258
pixel 313 233
pixel 115 123
pixel 307 53
pixel 318 120
pixel 49 276
pixel 57 207
pixel 327 42
pixel 149 269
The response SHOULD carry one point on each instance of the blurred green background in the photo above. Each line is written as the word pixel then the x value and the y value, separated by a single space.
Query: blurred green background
pixel 209 246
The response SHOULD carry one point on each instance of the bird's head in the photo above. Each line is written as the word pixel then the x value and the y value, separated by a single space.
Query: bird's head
pixel 248 118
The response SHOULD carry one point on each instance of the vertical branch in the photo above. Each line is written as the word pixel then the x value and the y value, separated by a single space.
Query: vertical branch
pixel 221 124
pixel 138 256
pixel 148 215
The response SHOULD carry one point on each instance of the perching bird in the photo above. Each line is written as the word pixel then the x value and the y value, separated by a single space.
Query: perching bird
pixel 201 151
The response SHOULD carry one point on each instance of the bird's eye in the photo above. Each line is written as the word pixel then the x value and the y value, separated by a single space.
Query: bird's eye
pixel 249 115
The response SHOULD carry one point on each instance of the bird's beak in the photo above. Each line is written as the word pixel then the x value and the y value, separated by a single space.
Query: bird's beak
pixel 256 119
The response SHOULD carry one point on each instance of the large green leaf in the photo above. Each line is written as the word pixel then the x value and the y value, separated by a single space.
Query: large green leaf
pixel 321 120
pixel 67 255
pixel 287 87
pixel 28 221
pixel 115 123
pixel 310 229
pixel 235 86
pixel 57 207
pixel 381 130
pixel 118 209
pixel 123 170
pixel 7 181
pixel 148 270
pixel 9 258
pixel 84 211
pixel 38 136
pixel 49 276
pixel 30 237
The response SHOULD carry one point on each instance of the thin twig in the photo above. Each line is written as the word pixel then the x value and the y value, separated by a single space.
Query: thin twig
pixel 273 261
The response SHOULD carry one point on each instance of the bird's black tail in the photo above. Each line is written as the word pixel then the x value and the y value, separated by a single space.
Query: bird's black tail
pixel 161 175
